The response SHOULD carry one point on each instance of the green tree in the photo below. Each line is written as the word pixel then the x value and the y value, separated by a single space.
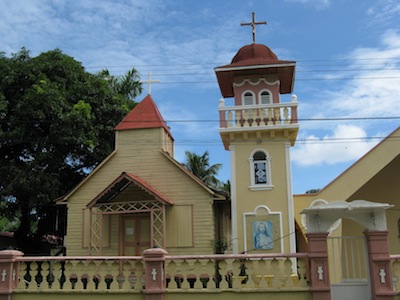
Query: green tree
pixel 199 165
pixel 312 191
pixel 56 125
pixel 127 85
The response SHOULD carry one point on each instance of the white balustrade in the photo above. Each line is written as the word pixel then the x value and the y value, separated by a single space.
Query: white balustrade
pixel 256 116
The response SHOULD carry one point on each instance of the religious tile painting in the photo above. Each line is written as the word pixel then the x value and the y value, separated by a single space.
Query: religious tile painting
pixel 263 234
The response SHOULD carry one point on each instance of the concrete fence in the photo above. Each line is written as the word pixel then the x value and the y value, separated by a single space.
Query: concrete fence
pixel 155 275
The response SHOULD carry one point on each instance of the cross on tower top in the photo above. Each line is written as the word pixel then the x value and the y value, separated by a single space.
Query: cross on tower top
pixel 253 25
pixel 149 81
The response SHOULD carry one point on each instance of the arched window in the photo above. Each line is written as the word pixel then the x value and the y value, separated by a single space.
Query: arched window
pixel 260 170
pixel 265 97
pixel 248 98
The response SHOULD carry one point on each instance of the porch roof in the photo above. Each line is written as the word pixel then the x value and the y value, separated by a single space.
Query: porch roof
pixel 123 182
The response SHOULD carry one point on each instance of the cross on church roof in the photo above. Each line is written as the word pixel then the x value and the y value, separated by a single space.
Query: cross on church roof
pixel 149 81
pixel 253 25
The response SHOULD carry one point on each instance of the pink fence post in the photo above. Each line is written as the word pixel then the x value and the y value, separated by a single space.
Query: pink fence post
pixel 8 273
pixel 155 276
pixel 379 265
pixel 319 270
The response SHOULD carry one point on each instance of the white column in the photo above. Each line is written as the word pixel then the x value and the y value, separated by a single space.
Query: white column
pixel 292 235
pixel 235 247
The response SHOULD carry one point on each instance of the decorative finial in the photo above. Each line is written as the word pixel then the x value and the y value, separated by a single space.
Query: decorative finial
pixel 149 81
pixel 253 25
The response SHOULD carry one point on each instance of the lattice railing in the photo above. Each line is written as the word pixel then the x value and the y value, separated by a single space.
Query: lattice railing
pixel 129 206
pixel 158 229
pixel 95 234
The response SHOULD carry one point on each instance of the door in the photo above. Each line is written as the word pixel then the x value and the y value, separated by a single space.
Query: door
pixel 135 235
pixel 349 274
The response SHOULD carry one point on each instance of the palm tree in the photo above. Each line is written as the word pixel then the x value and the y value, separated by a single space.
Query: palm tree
pixel 200 167
pixel 127 85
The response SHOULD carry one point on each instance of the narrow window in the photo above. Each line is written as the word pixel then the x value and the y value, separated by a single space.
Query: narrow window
pixel 248 98
pixel 265 97
pixel 260 168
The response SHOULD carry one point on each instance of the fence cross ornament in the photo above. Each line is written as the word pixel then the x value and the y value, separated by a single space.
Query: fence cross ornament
pixel 3 275
pixel 382 275
pixel 320 271
pixel 154 274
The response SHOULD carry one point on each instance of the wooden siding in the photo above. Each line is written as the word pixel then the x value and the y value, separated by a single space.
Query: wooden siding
pixel 139 153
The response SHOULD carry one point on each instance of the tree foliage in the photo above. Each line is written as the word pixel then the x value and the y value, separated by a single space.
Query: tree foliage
pixel 199 165
pixel 312 191
pixel 56 124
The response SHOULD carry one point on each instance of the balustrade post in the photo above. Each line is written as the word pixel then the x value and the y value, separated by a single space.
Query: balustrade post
pixel 319 270
pixel 379 265
pixel 222 120
pixel 155 275
pixel 8 273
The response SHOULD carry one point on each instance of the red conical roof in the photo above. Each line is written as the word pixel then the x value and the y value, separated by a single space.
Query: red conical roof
pixel 144 115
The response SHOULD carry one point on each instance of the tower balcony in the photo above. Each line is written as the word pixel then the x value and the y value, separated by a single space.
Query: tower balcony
pixel 256 116
pixel 258 119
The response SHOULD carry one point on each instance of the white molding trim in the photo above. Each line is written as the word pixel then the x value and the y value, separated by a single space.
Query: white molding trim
pixel 235 246
pixel 268 185
pixel 315 203
pixel 292 231
pixel 254 67
pixel 255 83
pixel 249 128
pixel 264 187
pixel 269 212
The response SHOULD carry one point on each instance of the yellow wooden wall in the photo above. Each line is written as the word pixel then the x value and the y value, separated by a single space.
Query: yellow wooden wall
pixel 139 152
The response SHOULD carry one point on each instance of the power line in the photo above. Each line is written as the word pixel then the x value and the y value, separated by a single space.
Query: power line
pixel 217 120
pixel 215 64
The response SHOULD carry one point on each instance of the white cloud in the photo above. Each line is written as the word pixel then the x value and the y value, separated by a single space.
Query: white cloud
pixel 366 93
pixel 376 81
pixel 383 11
pixel 347 142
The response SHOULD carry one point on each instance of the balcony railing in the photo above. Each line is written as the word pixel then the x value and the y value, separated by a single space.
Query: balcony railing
pixel 256 116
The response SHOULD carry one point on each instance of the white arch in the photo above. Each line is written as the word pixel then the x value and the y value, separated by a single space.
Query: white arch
pixel 253 97
pixel 370 215
pixel 271 100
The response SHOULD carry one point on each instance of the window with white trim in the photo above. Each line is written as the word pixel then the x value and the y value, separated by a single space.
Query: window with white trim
pixel 248 98
pixel 265 97
pixel 260 170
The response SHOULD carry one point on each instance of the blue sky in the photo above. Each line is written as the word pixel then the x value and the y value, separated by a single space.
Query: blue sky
pixel 347 53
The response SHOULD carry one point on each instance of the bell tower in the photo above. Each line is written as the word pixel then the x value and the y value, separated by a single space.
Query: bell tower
pixel 258 130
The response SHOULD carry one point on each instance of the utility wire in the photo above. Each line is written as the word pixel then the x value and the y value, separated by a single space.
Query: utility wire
pixel 4 121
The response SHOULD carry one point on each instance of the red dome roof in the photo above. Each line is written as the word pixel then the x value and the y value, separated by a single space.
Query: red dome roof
pixel 258 60
pixel 254 54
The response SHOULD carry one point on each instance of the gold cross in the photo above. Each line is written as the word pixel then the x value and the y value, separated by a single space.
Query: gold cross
pixel 253 25
pixel 149 81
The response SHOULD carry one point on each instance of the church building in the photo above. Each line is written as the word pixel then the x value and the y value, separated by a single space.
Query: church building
pixel 140 197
